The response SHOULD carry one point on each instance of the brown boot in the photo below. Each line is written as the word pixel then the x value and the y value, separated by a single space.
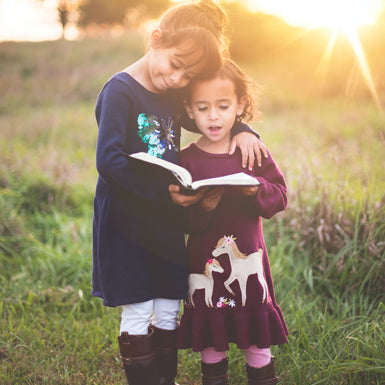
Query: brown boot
pixel 262 376
pixel 215 374
pixel 138 359
pixel 166 354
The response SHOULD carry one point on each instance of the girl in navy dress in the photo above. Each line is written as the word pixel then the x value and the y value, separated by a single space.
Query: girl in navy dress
pixel 139 254
pixel 231 293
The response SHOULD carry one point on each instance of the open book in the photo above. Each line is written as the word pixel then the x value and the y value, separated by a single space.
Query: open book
pixel 185 179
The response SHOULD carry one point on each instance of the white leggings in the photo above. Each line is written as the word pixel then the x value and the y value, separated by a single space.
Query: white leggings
pixel 161 312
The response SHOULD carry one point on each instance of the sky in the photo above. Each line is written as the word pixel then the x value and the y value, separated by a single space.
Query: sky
pixel 322 13
pixel 36 20
pixel 32 20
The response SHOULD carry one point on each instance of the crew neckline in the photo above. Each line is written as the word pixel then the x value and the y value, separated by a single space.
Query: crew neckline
pixel 210 154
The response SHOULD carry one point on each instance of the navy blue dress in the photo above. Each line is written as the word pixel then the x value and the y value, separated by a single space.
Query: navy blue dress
pixel 138 233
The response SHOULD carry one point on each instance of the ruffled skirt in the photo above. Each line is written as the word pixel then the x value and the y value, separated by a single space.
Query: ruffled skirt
pixel 217 327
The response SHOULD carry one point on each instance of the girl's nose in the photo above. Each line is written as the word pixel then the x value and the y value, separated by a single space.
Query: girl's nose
pixel 176 78
pixel 213 114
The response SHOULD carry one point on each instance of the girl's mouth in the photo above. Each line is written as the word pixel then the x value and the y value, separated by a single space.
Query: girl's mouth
pixel 166 83
pixel 215 129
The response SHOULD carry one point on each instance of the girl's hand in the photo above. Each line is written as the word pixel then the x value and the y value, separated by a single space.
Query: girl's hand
pixel 211 198
pixel 250 147
pixel 248 191
pixel 182 199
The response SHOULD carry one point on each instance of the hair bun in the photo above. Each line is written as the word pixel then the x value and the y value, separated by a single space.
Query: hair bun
pixel 200 19
pixel 215 13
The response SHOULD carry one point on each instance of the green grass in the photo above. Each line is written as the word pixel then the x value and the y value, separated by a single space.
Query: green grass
pixel 327 251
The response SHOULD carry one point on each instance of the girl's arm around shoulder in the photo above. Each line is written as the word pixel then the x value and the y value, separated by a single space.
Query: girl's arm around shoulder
pixel 271 195
pixel 251 146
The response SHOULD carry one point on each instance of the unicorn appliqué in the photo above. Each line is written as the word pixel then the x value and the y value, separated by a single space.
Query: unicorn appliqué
pixel 204 281
pixel 242 266
pixel 158 135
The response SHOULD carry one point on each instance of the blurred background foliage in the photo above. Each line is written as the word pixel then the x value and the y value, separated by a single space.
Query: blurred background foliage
pixel 119 11
pixel 255 37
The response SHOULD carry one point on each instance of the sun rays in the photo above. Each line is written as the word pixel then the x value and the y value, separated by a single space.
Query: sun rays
pixel 361 61
pixel 340 16
pixel 352 35
pixel 322 13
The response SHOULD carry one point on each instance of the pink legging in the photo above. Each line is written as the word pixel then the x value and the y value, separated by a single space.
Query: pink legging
pixel 255 357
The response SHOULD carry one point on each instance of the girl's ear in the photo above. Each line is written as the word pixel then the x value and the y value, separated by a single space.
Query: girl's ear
pixel 188 109
pixel 155 37
pixel 241 105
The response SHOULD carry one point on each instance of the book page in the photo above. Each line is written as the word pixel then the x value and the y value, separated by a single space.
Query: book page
pixel 180 173
pixel 239 179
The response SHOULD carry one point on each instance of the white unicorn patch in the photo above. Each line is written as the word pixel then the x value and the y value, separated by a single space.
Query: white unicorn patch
pixel 204 281
pixel 241 266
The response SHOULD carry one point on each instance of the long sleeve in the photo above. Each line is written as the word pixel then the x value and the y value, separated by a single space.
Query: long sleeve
pixel 271 197
pixel 240 127
pixel 115 138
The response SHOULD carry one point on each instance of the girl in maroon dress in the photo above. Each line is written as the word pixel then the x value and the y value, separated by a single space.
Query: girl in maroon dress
pixel 231 295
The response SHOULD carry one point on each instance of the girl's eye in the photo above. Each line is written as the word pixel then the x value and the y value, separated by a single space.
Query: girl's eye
pixel 224 107
pixel 174 65
pixel 202 108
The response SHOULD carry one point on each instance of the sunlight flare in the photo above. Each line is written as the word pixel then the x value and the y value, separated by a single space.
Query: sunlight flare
pixel 363 64
pixel 325 61
pixel 360 56
pixel 341 14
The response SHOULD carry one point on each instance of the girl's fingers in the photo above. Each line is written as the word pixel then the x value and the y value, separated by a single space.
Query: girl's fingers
pixel 233 146
pixel 251 157
pixel 174 188
pixel 258 153
pixel 260 149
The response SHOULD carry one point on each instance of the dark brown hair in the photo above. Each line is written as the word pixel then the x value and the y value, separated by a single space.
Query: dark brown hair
pixel 245 88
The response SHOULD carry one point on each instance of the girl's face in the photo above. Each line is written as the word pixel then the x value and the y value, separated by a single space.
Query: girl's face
pixel 172 67
pixel 214 106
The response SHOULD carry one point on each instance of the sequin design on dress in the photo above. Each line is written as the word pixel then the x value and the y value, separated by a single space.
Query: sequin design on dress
pixel 158 135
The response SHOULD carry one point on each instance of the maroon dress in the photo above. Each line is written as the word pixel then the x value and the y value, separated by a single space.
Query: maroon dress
pixel 231 293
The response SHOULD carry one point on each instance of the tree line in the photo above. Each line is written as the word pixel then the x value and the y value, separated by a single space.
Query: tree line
pixel 112 12
pixel 246 29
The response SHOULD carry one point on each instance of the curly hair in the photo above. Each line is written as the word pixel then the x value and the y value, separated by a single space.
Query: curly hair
pixel 245 88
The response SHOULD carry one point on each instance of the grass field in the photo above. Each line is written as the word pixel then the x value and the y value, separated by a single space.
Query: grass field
pixel 327 251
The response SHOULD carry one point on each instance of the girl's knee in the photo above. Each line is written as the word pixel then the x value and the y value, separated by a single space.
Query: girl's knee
pixel 166 313
pixel 211 356
pixel 257 358
pixel 136 318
